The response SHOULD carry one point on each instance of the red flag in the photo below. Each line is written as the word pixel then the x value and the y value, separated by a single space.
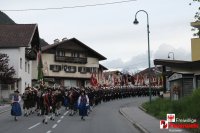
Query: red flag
pixel 93 80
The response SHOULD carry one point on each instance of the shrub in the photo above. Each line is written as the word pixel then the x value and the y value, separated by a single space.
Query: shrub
pixel 187 107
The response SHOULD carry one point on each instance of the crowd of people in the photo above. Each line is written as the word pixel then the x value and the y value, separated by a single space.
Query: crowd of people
pixel 48 101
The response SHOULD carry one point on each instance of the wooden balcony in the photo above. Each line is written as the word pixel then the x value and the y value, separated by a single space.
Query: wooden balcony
pixel 68 59
pixel 30 54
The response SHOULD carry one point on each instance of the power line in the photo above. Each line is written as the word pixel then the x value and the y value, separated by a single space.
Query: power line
pixel 65 7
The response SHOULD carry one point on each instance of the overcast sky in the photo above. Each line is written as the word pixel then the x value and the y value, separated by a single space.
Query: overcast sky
pixel 109 29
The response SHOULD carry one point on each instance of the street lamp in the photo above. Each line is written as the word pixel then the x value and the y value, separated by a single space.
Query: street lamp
pixel 149 62
pixel 172 54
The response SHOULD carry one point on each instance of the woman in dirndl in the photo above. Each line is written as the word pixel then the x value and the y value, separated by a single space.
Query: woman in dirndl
pixel 16 108
pixel 83 100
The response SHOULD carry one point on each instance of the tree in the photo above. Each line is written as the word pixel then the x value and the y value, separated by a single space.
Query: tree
pixel 7 72
pixel 196 17
pixel 197 14
pixel 40 66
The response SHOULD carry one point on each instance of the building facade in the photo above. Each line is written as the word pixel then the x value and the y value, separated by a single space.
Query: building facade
pixel 184 78
pixel 185 74
pixel 21 43
pixel 71 63
pixel 195 43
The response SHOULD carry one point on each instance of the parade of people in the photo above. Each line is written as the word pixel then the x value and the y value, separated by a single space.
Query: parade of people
pixel 49 101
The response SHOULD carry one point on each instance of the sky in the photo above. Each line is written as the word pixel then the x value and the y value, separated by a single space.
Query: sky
pixel 110 30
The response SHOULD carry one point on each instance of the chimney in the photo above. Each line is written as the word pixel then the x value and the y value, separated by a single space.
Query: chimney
pixel 65 38
pixel 56 41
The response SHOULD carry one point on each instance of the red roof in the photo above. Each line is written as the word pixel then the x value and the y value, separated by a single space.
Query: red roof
pixel 45 48
pixel 16 35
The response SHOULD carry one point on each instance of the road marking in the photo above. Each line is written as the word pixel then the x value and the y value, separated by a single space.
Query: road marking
pixel 62 117
pixel 54 126
pixel 34 125
pixel 49 131
pixel 58 121
pixel 66 113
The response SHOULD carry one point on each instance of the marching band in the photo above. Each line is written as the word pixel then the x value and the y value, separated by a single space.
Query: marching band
pixel 47 101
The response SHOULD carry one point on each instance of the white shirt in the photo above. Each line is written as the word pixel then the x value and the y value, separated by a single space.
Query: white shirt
pixel 79 100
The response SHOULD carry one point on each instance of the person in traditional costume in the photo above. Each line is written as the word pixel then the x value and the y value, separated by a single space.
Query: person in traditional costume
pixel 16 108
pixel 83 101
pixel 38 100
pixel 26 103
pixel 45 106
pixel 53 104
pixel 59 99
pixel 71 102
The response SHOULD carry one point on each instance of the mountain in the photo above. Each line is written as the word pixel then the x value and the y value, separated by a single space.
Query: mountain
pixel 5 19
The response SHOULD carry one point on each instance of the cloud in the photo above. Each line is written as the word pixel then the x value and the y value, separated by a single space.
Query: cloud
pixel 140 61
pixel 179 53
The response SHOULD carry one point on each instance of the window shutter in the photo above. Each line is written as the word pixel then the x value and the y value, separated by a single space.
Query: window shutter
pixel 88 69
pixel 51 67
pixel 79 69
pixel 59 68
pixel 74 68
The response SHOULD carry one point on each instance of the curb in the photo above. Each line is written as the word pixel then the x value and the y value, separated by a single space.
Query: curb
pixel 137 125
pixel 143 109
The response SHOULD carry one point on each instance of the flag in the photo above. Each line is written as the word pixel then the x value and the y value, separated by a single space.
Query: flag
pixel 40 66
pixel 93 80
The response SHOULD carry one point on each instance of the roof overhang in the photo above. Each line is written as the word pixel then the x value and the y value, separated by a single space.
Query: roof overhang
pixel 100 57
pixel 102 67
pixel 178 63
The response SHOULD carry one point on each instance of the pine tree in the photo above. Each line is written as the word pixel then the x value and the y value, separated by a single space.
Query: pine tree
pixel 40 66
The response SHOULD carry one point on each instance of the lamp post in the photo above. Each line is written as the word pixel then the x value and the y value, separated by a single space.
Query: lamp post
pixel 149 62
pixel 172 54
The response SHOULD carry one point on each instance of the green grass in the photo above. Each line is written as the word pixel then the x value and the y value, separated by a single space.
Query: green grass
pixel 187 107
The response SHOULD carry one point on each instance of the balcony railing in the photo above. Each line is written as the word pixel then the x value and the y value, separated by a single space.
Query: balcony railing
pixel 68 59
pixel 30 54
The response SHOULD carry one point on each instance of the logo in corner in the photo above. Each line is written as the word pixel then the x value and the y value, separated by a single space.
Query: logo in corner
pixel 171 117
pixel 163 124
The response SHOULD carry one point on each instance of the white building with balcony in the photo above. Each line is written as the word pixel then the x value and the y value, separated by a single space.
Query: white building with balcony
pixel 21 43
pixel 71 63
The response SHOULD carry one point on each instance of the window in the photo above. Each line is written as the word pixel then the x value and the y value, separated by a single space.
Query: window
pixel 28 68
pixel 93 69
pixel 25 66
pixel 55 68
pixel 82 69
pixel 60 53
pixel 20 63
pixel 70 69
pixel 75 54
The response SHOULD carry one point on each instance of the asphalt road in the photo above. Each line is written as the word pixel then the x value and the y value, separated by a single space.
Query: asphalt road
pixel 105 118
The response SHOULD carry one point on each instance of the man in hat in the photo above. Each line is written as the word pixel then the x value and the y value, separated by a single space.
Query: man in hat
pixel 26 104
pixel 45 106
